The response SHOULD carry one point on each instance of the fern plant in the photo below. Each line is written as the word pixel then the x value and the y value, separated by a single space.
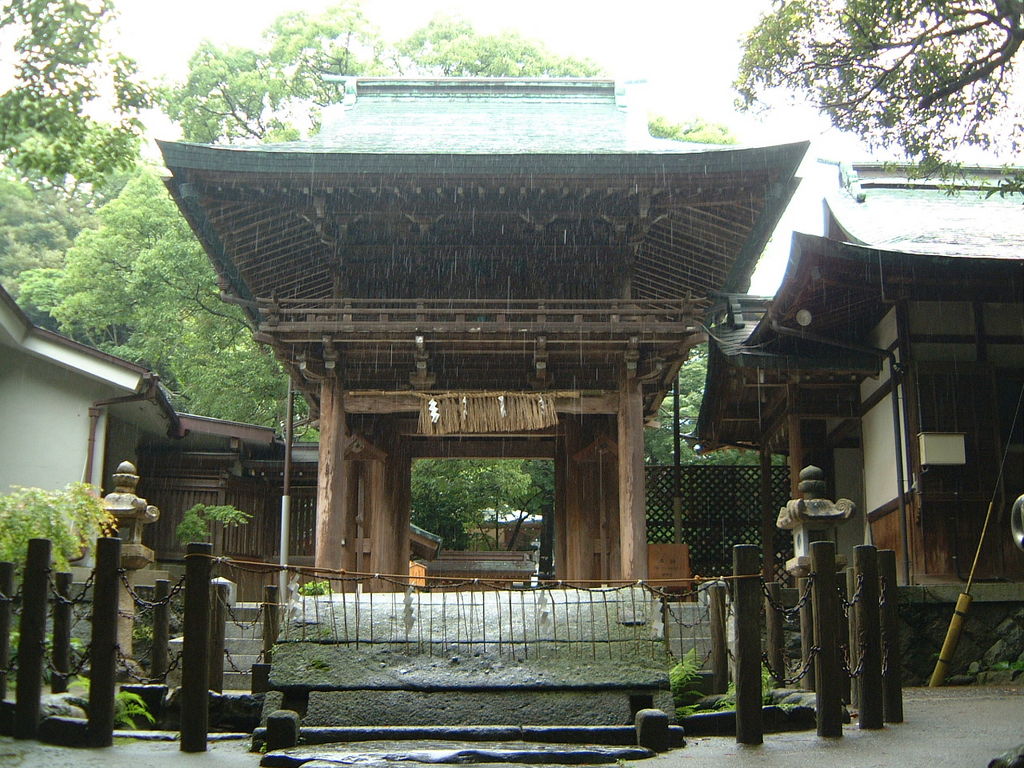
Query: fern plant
pixel 684 682
pixel 127 707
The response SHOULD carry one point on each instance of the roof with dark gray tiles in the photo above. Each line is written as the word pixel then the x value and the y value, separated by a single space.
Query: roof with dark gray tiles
pixel 481 116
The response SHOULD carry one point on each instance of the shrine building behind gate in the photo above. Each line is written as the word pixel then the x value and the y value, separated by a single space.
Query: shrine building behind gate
pixel 481 268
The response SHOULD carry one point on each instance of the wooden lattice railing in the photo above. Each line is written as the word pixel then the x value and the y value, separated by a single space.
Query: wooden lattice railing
pixel 721 507
pixel 480 315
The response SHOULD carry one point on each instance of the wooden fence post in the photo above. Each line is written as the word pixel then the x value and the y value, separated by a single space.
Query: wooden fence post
pixel 869 640
pixel 719 646
pixel 159 661
pixel 806 633
pixel 892 659
pixel 218 615
pixel 746 568
pixel 195 652
pixel 6 611
pixel 775 635
pixel 103 646
pixel 271 619
pixel 261 671
pixel 829 700
pixel 32 635
pixel 61 656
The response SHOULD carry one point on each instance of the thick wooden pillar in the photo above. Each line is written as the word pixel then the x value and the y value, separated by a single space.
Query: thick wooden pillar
pixel 400 486
pixel 632 513
pixel 579 533
pixel 562 461
pixel 387 500
pixel 331 481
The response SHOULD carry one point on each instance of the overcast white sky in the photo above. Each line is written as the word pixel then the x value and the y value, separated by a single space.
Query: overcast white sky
pixel 686 51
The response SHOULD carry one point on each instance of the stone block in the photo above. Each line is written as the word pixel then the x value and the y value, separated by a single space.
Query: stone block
pixel 282 729
pixel 527 707
pixel 260 678
pixel 1013 758
pixel 451 753
pixel 64 731
pixel 153 696
pixel 232 589
pixel 652 729
pixel 61 705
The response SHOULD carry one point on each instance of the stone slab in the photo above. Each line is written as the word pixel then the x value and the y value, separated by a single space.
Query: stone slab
pixel 380 708
pixel 615 735
pixel 446 753
pixel 333 667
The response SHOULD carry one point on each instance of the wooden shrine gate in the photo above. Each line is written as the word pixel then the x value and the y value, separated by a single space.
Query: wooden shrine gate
pixel 447 242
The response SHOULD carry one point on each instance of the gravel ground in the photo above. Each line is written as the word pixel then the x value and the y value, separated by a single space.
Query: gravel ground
pixel 944 728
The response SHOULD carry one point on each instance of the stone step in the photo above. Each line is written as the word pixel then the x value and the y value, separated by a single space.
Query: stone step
pixel 244 645
pixel 242 661
pixel 231 629
pixel 237 681
pixel 448 753
pixel 528 707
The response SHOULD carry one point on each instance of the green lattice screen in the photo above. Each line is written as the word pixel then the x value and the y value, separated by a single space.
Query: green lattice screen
pixel 721 508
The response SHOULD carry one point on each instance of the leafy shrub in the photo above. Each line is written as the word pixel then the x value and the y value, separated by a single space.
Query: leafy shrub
pixel 315 588
pixel 71 519
pixel 195 523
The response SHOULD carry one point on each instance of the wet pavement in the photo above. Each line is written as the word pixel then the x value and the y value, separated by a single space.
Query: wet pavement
pixel 944 728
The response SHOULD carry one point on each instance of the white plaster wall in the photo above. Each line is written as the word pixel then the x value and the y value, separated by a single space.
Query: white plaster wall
pixel 881 337
pixel 44 421
pixel 879 456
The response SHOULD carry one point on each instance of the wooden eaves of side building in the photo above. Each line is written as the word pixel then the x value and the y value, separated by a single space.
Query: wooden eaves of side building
pixel 807 373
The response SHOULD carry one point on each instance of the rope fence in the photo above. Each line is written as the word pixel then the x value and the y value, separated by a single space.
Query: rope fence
pixel 735 624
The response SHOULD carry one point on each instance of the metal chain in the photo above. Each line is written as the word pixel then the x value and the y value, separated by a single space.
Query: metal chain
pixel 789 613
pixel 76 667
pixel 15 601
pixel 854 599
pixel 811 653
pixel 143 602
pixel 844 660
pixel 234 667
pixel 244 624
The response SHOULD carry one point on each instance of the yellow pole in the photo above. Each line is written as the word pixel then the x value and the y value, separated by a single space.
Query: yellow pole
pixel 963 604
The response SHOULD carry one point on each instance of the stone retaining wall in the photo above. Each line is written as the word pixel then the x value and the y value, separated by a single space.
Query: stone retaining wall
pixel 993 632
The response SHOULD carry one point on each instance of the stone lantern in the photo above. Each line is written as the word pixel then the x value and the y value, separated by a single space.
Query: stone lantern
pixel 812 518
pixel 131 513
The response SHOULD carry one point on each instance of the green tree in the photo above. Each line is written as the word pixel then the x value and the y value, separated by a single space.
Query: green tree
pixel 60 70
pixel 273 93
pixel 696 131
pixel 449 46
pixel 455 498
pixel 38 223
pixel 925 78
pixel 139 286
pixel 276 92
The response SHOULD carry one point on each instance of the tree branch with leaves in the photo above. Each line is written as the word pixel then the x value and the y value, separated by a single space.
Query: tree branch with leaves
pixel 924 78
